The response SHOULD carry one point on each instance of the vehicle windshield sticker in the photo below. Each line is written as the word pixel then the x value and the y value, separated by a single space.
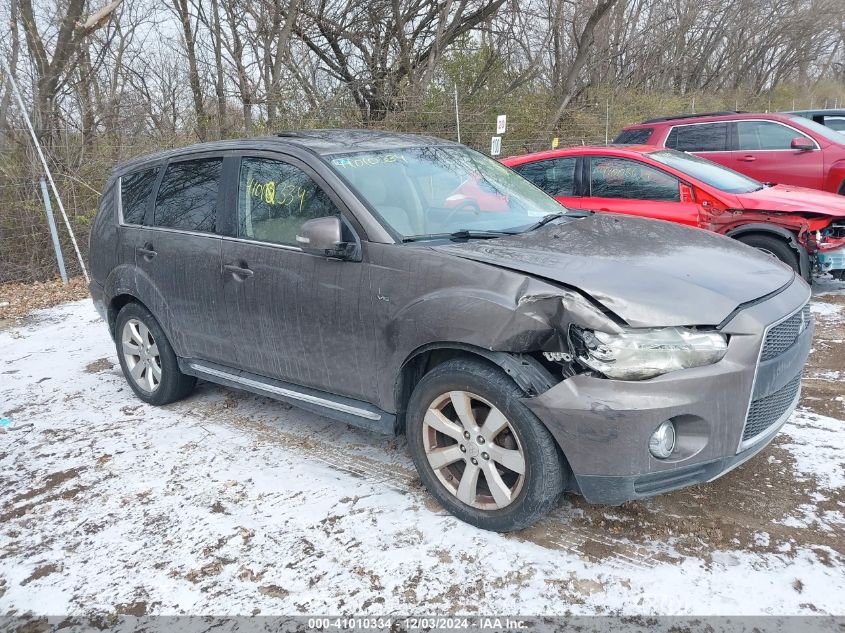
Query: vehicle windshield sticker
pixel 368 161
pixel 278 194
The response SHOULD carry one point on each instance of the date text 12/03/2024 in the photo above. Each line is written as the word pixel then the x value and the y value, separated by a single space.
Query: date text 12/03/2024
pixel 492 623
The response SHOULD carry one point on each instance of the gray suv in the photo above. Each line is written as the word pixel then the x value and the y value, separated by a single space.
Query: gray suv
pixel 411 285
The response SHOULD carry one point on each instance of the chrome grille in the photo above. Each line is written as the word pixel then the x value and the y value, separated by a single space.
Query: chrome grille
pixel 767 410
pixel 781 337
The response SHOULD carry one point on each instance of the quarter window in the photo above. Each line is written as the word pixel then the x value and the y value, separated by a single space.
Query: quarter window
pixel 187 197
pixel 135 190
pixel 636 136
pixel 703 137
pixel 765 135
pixel 275 198
pixel 555 176
pixel 621 178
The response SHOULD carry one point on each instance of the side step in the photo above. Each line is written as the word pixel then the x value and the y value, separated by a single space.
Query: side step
pixel 348 410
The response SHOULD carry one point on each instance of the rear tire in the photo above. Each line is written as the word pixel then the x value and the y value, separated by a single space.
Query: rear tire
pixel 484 437
pixel 147 359
pixel 774 246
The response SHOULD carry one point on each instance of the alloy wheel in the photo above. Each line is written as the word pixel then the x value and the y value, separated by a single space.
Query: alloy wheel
pixel 473 450
pixel 141 354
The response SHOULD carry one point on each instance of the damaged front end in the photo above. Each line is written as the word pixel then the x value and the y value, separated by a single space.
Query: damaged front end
pixel 830 243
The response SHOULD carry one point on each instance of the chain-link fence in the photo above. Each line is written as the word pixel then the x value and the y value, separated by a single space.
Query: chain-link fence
pixel 80 165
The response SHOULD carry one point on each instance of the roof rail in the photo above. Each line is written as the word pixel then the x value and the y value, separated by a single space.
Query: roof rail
pixel 691 116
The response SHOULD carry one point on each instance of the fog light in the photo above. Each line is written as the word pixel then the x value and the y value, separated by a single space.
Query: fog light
pixel 662 441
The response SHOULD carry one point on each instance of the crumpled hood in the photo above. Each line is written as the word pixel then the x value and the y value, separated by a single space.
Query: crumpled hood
pixel 650 273
pixel 794 199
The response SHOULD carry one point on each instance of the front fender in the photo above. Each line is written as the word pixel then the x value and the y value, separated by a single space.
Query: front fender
pixel 534 317
pixel 790 237
pixel 834 180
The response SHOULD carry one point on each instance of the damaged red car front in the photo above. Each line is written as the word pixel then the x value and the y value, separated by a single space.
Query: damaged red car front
pixel 804 228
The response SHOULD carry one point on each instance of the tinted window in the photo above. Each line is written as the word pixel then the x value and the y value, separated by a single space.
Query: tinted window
pixel 621 178
pixel 704 137
pixel 707 171
pixel 634 137
pixel 275 198
pixel 555 176
pixel 765 135
pixel 135 190
pixel 187 197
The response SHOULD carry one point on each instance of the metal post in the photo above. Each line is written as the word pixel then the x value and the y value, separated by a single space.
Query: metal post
pixel 48 207
pixel 46 168
pixel 457 115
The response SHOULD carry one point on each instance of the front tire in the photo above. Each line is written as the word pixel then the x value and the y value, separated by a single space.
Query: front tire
pixel 774 246
pixel 147 359
pixel 481 452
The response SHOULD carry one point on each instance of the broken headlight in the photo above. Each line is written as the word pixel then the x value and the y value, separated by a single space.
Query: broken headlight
pixel 636 354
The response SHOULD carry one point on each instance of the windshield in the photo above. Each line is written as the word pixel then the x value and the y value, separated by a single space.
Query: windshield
pixel 707 171
pixel 421 191
pixel 822 130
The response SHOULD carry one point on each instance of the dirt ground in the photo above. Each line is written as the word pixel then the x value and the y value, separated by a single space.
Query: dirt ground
pixel 232 503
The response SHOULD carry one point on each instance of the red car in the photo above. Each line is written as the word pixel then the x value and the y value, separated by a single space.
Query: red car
pixel 783 148
pixel 804 228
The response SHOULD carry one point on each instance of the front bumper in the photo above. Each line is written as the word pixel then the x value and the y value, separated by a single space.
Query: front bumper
pixel 831 260
pixel 603 426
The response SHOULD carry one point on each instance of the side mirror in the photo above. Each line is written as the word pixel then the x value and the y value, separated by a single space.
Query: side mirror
pixel 802 143
pixel 323 236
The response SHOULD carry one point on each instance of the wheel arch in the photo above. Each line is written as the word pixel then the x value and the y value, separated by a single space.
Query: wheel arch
pixel 126 284
pixel 773 230
pixel 525 369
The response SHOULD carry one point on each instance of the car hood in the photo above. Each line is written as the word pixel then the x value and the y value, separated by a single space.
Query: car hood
pixel 789 198
pixel 649 272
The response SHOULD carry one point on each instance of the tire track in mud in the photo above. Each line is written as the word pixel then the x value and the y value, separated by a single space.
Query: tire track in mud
pixel 553 533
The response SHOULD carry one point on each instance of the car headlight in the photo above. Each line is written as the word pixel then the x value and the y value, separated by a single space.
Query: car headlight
pixel 636 354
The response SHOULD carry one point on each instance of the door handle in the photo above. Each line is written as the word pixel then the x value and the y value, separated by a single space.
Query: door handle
pixel 238 271
pixel 747 159
pixel 146 251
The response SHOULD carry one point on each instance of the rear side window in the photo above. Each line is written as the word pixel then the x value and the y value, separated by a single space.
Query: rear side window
pixel 275 198
pixel 703 137
pixel 765 135
pixel 622 178
pixel 835 123
pixel 637 136
pixel 555 176
pixel 187 197
pixel 135 190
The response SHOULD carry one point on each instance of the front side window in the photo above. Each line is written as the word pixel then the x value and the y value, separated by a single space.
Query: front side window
pixel 135 190
pixel 275 198
pixel 701 137
pixel 555 176
pixel 622 178
pixel 421 192
pixel 187 197
pixel 765 135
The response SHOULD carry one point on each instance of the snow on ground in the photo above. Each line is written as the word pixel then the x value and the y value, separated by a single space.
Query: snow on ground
pixel 228 503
